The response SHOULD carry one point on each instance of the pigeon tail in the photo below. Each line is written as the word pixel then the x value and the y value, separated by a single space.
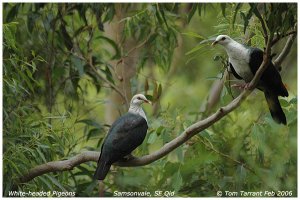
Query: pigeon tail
pixel 102 170
pixel 283 92
pixel 275 108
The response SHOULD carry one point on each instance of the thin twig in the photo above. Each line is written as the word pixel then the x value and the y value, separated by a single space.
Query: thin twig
pixel 90 63
pixel 138 46
pixel 279 37
pixel 104 79
pixel 132 50
pixel 211 147
pixel 285 51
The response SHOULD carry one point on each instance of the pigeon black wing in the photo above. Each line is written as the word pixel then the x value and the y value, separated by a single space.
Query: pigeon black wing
pixel 125 135
pixel 270 79
pixel 270 83
pixel 256 58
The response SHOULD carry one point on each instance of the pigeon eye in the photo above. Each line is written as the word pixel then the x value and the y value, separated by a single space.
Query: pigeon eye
pixel 139 98
pixel 223 38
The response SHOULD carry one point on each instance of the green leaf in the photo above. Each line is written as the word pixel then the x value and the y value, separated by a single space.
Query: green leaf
pixel 163 16
pixel 25 78
pixel 159 130
pixel 155 90
pixel 108 74
pixel 152 138
pixel 46 182
pixel 12 164
pixel 247 18
pixel 159 91
pixel 41 155
pixel 152 38
pixel 86 169
pixel 13 12
pixel 55 182
pixel 197 48
pixel 200 7
pixel 241 174
pixel 9 36
pixel 80 30
pixel 160 21
pixel 98 13
pixel 217 58
pixel 110 13
pixel 91 187
pixel 293 100
pixel 146 85
pixel 66 37
pixel 223 8
pixel 93 133
pixel 79 65
pixel 237 8
pixel 177 181
pixel 90 123
pixel 193 34
pixel 96 81
pixel 192 12
pixel 7 186
pixel 149 97
pixel 82 10
pixel 284 102
pixel 43 146
pixel 113 44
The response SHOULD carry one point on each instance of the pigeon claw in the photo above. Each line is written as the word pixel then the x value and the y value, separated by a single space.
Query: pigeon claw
pixel 243 86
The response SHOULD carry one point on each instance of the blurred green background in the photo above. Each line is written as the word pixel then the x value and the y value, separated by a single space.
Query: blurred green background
pixel 65 65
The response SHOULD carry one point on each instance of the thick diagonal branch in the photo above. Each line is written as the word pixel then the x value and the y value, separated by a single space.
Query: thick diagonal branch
pixel 167 148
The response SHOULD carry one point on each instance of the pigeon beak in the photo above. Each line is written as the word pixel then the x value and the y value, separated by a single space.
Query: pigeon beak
pixel 147 101
pixel 214 43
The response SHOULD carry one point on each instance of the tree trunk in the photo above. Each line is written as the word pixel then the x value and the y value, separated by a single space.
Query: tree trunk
pixel 124 69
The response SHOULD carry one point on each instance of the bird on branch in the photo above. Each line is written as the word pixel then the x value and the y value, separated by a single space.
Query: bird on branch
pixel 125 135
pixel 244 61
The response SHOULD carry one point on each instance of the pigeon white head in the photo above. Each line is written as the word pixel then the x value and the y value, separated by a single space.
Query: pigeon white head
pixel 222 40
pixel 138 100
pixel 135 105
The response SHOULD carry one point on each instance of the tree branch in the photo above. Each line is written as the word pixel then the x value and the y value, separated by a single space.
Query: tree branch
pixel 167 148
pixel 61 165
pixel 285 51
pixel 278 37
pixel 213 95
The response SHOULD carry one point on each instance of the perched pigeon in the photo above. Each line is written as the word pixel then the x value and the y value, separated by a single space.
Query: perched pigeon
pixel 244 61
pixel 125 135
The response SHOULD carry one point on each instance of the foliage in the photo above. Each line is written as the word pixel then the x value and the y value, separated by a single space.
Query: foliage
pixel 155 25
pixel 28 138
pixel 59 67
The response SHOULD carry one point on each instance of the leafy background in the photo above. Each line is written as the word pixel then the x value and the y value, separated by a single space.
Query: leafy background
pixel 61 61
